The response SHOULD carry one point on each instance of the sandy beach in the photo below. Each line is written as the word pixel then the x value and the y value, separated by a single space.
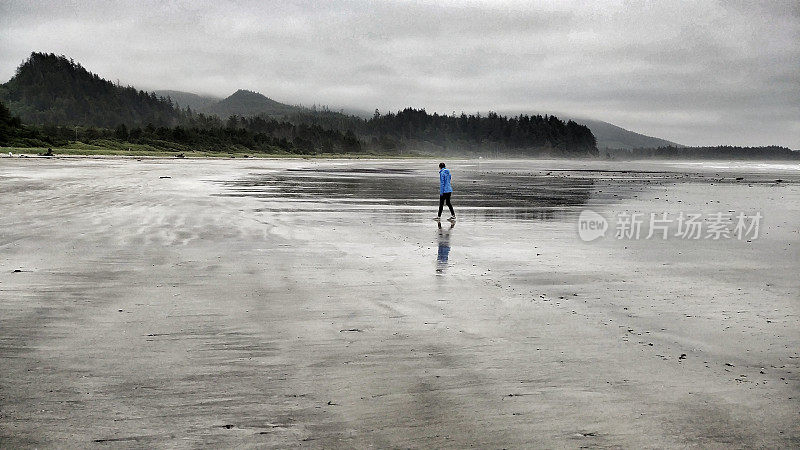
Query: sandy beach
pixel 314 303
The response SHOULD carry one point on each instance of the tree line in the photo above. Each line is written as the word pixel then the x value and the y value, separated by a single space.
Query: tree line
pixel 254 135
pixel 60 101
pixel 522 135
pixel 725 152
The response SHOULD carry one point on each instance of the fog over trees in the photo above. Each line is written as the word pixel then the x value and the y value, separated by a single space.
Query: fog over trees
pixel 52 101
pixel 59 101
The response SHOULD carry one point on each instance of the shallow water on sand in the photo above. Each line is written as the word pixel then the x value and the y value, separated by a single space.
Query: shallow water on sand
pixel 403 192
pixel 485 191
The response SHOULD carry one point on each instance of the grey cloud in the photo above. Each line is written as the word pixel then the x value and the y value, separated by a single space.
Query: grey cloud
pixel 695 73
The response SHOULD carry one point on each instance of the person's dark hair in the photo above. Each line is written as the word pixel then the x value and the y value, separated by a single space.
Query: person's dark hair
pixel 441 165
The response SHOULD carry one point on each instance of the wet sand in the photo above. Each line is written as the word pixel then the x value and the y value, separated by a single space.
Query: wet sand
pixel 316 304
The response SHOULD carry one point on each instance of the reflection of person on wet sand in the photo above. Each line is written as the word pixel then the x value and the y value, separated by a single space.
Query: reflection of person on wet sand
pixel 444 247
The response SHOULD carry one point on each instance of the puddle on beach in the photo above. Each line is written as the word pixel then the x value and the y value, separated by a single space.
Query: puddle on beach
pixel 409 192
pixel 502 190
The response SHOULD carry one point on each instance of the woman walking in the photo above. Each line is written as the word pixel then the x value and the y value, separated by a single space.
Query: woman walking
pixel 445 190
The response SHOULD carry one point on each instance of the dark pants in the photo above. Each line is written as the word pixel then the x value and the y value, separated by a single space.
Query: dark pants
pixel 445 198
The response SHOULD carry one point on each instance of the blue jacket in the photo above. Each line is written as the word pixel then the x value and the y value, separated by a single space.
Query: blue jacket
pixel 444 181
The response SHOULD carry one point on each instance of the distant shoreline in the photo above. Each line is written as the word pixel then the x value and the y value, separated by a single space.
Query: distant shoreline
pixel 40 152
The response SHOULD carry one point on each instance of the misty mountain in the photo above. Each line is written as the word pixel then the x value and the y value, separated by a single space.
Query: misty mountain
pixel 50 89
pixel 248 103
pixel 52 94
pixel 197 103
pixel 53 90
pixel 610 136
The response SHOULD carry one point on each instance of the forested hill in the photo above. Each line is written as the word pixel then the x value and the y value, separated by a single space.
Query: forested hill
pixel 249 103
pixel 54 96
pixel 53 90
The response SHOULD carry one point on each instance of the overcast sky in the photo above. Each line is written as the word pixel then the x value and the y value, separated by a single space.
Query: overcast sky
pixel 697 73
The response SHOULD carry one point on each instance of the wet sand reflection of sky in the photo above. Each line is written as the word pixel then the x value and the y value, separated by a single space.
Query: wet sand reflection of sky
pixel 409 192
